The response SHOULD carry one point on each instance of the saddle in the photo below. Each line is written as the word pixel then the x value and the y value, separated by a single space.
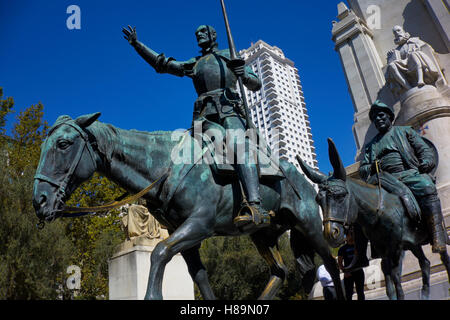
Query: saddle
pixel 392 185
pixel 188 153
pixel 215 154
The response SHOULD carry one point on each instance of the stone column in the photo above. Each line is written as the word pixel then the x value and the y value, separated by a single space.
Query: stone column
pixel 439 11
pixel 427 109
pixel 362 67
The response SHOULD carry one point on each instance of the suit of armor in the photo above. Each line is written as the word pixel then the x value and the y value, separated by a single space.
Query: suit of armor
pixel 218 103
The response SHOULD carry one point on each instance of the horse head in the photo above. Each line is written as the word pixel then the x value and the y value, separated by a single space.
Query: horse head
pixel 333 197
pixel 67 159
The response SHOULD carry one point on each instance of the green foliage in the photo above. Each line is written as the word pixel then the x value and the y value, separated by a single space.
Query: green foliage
pixel 237 271
pixel 32 262
pixel 95 237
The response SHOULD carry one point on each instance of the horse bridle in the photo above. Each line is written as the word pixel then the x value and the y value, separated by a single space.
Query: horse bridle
pixel 61 191
pixel 342 221
pixel 61 186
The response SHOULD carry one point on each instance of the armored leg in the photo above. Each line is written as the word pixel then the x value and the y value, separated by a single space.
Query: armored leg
pixel 245 163
pixel 252 211
pixel 431 209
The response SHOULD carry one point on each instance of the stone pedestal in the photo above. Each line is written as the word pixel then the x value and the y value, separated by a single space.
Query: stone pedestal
pixel 129 268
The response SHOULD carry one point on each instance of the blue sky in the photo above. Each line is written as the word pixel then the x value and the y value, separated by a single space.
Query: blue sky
pixel 94 69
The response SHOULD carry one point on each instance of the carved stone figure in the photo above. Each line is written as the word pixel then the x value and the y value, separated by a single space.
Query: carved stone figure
pixel 139 223
pixel 409 65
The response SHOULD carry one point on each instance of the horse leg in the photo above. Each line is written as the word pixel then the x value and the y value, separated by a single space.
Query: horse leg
pixel 387 270
pixel 304 255
pixel 397 261
pixel 425 268
pixel 198 272
pixel 314 237
pixel 446 261
pixel 267 248
pixel 190 233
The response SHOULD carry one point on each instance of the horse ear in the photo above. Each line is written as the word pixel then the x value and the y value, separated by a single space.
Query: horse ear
pixel 314 175
pixel 336 162
pixel 86 120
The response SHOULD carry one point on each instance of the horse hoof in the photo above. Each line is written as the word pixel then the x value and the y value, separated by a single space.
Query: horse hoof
pixel 425 295
pixel 153 297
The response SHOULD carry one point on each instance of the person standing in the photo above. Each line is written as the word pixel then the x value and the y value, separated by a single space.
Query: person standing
pixel 354 278
pixel 329 293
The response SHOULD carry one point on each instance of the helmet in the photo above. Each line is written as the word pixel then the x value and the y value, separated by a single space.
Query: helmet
pixel 380 106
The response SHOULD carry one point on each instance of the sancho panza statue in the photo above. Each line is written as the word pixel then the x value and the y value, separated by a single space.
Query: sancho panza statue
pixel 402 153
pixel 408 65
pixel 402 161
pixel 215 79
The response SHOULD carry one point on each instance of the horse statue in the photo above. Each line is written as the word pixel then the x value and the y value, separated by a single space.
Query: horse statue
pixel 346 201
pixel 193 204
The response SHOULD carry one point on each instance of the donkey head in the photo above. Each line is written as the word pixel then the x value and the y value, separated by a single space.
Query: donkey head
pixel 333 196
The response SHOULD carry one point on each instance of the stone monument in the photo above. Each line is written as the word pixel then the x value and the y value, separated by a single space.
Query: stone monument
pixel 129 266
pixel 399 52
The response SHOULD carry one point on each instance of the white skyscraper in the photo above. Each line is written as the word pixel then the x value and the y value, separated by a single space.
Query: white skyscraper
pixel 278 109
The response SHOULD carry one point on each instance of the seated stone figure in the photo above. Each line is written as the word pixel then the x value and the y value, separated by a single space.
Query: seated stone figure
pixel 408 65
pixel 139 223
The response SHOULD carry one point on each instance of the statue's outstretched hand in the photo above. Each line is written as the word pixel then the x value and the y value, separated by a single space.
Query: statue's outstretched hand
pixel 130 35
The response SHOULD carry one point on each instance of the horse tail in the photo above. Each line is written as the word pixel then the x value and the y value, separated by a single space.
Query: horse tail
pixel 304 255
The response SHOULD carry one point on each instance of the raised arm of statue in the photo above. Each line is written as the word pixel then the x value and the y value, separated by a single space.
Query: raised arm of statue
pixel 159 62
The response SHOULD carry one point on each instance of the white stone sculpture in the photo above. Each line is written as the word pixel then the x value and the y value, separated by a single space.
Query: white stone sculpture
pixel 411 64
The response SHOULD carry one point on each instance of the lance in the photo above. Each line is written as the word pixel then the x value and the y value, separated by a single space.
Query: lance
pixel 233 56
pixel 234 62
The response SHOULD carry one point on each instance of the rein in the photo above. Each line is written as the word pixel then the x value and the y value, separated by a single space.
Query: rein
pixel 68 212
pixel 380 192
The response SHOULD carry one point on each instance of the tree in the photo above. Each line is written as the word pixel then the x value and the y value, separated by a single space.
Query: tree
pixel 32 263
pixel 95 237
pixel 6 106
pixel 237 271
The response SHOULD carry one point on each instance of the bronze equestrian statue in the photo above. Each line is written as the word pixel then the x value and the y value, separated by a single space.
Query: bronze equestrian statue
pixel 192 200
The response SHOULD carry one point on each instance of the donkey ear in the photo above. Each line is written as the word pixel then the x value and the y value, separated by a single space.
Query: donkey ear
pixel 86 120
pixel 314 175
pixel 336 162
